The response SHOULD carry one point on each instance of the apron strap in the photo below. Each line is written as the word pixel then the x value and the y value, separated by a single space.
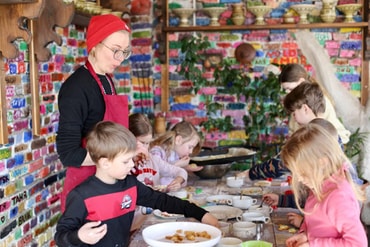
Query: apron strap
pixel 93 73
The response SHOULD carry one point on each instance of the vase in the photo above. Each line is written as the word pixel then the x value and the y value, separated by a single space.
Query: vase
pixel 327 13
pixel 238 16
pixel 159 125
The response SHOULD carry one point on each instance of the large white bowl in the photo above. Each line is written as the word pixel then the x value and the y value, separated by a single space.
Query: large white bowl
pixel 155 235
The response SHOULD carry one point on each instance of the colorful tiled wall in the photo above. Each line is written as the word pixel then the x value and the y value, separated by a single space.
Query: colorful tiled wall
pixel 31 176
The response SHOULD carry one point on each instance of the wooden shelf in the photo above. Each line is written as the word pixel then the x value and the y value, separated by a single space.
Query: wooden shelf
pixel 81 20
pixel 262 27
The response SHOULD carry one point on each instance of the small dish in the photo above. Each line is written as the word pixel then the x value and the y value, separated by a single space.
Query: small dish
pixel 230 212
pixel 220 199
pixel 165 215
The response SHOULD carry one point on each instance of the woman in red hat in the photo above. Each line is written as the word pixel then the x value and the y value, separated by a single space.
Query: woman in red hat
pixel 89 96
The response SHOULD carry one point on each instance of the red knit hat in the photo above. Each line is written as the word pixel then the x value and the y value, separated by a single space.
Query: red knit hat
pixel 101 26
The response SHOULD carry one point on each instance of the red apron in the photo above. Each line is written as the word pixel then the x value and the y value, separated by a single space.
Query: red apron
pixel 116 110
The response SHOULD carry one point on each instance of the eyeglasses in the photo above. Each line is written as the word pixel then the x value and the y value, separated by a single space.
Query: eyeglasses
pixel 119 54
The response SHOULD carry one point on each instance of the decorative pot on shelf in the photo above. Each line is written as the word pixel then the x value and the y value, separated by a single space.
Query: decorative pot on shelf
pixel 238 13
pixel 327 13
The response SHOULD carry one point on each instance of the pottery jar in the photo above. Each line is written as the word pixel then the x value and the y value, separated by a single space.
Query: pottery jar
pixel 238 13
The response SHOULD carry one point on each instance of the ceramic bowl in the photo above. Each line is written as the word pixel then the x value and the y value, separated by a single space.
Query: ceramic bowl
pixel 244 229
pixel 257 243
pixel 243 202
pixel 155 235
pixel 349 10
pixel 254 216
pixel 265 210
pixel 234 182
pixel 230 242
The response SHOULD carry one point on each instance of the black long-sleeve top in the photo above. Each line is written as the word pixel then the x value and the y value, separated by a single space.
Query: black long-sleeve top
pixel 114 205
pixel 81 105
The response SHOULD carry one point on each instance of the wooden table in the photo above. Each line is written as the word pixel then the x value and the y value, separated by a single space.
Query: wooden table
pixel 270 230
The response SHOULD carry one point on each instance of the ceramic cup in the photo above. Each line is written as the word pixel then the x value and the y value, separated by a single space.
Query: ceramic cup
pixel 265 210
pixel 244 229
pixel 225 227
pixel 243 202
pixel 229 242
pixel 253 216
pixel 234 182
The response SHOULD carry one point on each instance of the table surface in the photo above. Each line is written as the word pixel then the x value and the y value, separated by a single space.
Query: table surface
pixel 270 230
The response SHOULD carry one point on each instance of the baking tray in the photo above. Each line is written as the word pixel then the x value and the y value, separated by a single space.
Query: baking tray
pixel 233 154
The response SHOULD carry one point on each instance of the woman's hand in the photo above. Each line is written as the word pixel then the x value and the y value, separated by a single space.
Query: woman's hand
pixel 298 240
pixel 271 199
pixel 295 219
pixel 92 232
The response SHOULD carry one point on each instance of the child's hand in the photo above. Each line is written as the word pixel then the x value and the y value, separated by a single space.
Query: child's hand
pixel 295 219
pixel 271 199
pixel 193 168
pixel 184 161
pixel 92 232
pixel 298 240
pixel 210 220
pixel 175 184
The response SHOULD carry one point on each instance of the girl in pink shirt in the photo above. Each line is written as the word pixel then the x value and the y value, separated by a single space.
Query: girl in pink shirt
pixel 321 177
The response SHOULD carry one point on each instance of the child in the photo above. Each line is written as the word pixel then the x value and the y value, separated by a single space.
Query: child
pixel 320 176
pixel 287 200
pixel 176 145
pixel 294 74
pixel 148 168
pixel 305 102
pixel 100 210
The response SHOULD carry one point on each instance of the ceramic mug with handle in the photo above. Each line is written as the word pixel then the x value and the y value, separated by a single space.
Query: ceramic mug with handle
pixel 253 216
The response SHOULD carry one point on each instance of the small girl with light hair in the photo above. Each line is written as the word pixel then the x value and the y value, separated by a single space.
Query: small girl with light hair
pixel 177 145
pixel 320 172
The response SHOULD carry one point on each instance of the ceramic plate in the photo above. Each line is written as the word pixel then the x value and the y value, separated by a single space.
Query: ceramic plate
pixel 157 235
pixel 230 212
pixel 220 199
pixel 250 191
pixel 165 215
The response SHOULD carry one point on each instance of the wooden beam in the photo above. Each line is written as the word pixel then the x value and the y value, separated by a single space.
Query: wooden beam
pixel 3 108
pixel 34 81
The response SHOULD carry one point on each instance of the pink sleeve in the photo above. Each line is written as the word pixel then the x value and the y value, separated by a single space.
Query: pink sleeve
pixel 343 211
pixel 168 170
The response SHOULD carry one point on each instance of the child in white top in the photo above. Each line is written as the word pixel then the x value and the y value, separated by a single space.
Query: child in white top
pixel 176 146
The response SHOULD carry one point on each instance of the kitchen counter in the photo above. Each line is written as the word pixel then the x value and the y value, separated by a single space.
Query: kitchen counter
pixel 206 188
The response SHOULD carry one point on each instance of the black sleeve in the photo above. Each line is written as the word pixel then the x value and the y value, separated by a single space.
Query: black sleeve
pixel 81 106
pixel 158 200
pixel 71 221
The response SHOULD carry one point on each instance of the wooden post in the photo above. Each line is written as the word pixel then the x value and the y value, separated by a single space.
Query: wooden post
pixel 3 108
pixel 34 81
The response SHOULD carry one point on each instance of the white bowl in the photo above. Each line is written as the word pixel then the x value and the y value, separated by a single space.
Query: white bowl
pixel 155 235
pixel 234 182
pixel 244 229
pixel 265 209
pixel 230 242
pixel 243 202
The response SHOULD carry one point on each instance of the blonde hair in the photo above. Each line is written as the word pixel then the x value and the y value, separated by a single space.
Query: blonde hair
pixel 108 139
pixel 315 154
pixel 184 129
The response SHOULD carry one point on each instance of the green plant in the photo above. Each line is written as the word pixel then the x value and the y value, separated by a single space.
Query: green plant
pixel 355 145
pixel 193 48
pixel 233 79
